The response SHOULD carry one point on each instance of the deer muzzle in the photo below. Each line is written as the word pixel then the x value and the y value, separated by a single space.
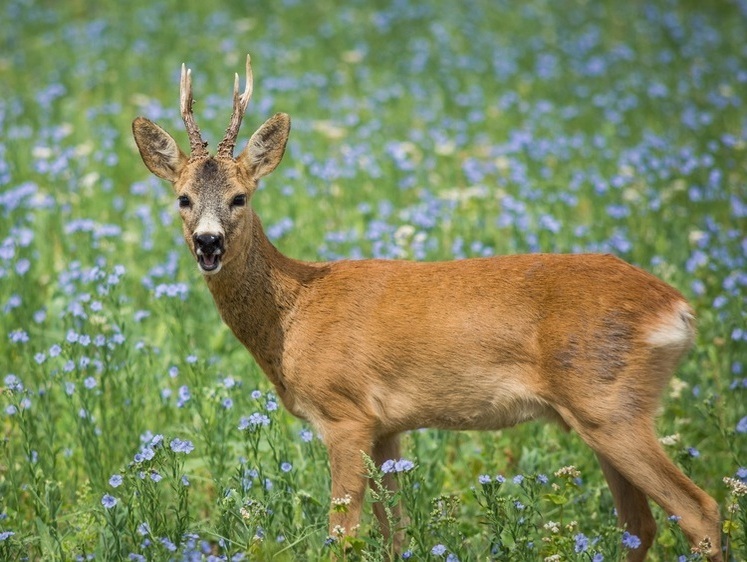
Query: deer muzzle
pixel 209 248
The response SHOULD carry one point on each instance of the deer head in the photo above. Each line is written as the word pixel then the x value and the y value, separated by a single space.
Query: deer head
pixel 214 192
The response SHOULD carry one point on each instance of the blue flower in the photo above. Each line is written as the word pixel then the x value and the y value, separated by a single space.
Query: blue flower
pixel 286 467
pixel 108 501
pixel 582 543
pixel 484 479
pixel 115 480
pixel 630 541
pixel 518 479
pixel 255 421
pixel 179 446
pixel 438 550
pixel 598 557
pixel 6 535
pixel 742 425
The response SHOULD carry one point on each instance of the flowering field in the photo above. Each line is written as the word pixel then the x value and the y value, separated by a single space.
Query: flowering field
pixel 134 426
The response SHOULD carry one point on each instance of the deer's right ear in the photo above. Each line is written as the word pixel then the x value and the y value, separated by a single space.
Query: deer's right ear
pixel 158 149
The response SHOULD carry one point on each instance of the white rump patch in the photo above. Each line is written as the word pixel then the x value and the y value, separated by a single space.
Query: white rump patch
pixel 676 328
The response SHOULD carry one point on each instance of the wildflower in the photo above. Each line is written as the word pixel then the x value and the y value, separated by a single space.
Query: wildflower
pixel 484 479
pixel 6 535
pixel 170 546
pixel 693 452
pixel 256 394
pixel 256 420
pixel 742 425
pixel 191 359
pixel 69 388
pixel 13 383
pixel 598 557
pixel 742 473
pixel 155 476
pixel 55 350
pixel 286 467
pixel 18 336
pixel 40 358
pixel 737 487
pixel 452 557
pixel 552 526
pixel 271 406
pixel 90 383
pixel 184 480
pixel 407 554
pixel 184 396
pixel 108 501
pixel 306 435
pixel 227 403
pixel 179 446
pixel 500 479
pixel 582 543
pixel 518 479
pixel 542 479
pixel 438 550
pixel 568 472
pixel 553 558
pixel 115 481
pixel 630 541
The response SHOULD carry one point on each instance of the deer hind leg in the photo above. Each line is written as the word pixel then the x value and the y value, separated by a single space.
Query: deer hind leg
pixel 386 448
pixel 632 450
pixel 633 510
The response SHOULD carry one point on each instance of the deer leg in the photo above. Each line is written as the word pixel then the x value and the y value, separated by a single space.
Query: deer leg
pixel 633 451
pixel 346 445
pixel 386 448
pixel 633 510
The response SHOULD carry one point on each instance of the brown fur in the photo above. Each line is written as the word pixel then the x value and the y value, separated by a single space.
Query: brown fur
pixel 364 350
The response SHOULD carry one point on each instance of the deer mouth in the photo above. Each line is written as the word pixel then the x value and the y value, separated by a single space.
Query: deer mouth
pixel 209 263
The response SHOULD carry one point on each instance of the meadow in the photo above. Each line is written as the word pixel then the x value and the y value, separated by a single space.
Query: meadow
pixel 134 425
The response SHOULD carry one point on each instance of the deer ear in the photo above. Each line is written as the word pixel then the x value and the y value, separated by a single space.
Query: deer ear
pixel 266 147
pixel 158 149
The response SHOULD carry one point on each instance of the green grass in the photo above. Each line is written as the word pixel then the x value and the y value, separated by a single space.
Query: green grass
pixel 421 131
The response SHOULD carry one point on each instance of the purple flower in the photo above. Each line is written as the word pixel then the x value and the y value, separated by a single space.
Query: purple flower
pixel 630 541
pixel 582 543
pixel 108 501
pixel 286 467
pixel 484 479
pixel 179 446
pixel 438 550
pixel 256 420
pixel 115 481
pixel 742 425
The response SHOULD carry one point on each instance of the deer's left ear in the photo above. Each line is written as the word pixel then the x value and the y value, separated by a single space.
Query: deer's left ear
pixel 265 149
pixel 158 149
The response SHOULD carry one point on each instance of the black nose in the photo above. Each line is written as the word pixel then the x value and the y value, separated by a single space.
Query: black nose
pixel 209 243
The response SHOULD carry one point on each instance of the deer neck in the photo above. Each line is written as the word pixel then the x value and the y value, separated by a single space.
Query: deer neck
pixel 256 295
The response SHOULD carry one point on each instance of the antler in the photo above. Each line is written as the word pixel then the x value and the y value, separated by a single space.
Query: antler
pixel 196 144
pixel 240 102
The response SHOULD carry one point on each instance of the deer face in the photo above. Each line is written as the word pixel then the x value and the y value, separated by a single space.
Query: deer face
pixel 214 192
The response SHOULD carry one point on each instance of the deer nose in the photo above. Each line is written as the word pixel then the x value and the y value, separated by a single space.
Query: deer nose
pixel 209 243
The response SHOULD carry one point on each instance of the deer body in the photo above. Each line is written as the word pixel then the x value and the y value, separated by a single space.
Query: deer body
pixel 367 349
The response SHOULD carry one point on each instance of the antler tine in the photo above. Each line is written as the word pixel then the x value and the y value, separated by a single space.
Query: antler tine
pixel 196 144
pixel 240 103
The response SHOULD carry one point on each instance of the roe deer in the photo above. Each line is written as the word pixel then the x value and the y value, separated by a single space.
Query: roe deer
pixel 367 349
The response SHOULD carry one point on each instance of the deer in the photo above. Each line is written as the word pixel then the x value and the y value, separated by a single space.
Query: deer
pixel 364 350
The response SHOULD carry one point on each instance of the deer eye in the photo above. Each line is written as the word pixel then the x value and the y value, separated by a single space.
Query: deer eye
pixel 239 201
pixel 184 201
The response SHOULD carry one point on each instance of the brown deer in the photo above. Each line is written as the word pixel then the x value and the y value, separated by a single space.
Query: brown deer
pixel 365 350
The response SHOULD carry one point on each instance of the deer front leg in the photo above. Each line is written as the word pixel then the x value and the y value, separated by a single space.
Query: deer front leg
pixel 346 445
pixel 386 448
